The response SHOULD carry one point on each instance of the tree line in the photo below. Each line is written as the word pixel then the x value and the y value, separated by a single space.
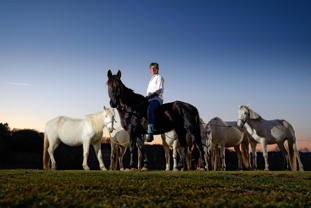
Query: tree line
pixel 23 148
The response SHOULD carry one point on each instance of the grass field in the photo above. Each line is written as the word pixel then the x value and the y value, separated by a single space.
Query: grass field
pixel 73 188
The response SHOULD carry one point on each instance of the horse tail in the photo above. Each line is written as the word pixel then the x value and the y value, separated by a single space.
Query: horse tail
pixel 292 157
pixel 46 155
pixel 245 150
pixel 245 155
pixel 291 141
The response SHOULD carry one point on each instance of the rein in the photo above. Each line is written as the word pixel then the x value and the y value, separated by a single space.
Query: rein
pixel 114 120
pixel 169 137
pixel 140 103
pixel 125 110
pixel 177 140
pixel 117 142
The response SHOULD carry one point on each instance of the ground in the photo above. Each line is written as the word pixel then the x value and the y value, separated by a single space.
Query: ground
pixel 77 188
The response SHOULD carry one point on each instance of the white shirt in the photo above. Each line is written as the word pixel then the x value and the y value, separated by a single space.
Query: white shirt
pixel 156 85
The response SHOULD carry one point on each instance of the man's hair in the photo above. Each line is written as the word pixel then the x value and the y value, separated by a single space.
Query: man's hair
pixel 156 65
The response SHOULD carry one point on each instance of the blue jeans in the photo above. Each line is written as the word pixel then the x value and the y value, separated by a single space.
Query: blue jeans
pixel 153 105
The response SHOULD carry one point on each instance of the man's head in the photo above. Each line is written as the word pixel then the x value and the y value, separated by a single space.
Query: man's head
pixel 154 68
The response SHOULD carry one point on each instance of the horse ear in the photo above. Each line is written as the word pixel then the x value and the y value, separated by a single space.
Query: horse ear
pixel 105 106
pixel 109 74
pixel 248 105
pixel 119 74
pixel 240 106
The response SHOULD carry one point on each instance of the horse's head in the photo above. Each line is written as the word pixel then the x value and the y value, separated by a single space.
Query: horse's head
pixel 109 118
pixel 206 135
pixel 243 115
pixel 115 89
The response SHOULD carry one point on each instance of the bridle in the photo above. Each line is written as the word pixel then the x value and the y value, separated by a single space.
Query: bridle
pixel 244 122
pixel 113 120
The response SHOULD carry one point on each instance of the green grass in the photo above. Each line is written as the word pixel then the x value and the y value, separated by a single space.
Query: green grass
pixel 72 188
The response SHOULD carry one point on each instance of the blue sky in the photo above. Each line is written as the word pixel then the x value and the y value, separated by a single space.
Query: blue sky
pixel 215 55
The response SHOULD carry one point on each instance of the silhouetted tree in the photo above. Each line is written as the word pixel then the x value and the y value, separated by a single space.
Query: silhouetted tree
pixel 5 135
pixel 27 140
pixel 23 148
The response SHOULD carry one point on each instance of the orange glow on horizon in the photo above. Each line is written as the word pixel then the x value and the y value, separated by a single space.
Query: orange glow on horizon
pixel 303 141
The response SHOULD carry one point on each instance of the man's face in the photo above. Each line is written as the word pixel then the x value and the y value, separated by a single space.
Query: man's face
pixel 153 70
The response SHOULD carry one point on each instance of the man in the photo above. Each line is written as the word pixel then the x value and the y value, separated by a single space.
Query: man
pixel 155 97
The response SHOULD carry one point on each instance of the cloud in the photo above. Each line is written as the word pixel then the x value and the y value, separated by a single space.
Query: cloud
pixel 20 84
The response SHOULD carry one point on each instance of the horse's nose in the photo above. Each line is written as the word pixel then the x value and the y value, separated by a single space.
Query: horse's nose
pixel 239 123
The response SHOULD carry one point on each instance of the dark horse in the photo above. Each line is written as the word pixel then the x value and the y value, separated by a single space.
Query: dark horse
pixel 132 108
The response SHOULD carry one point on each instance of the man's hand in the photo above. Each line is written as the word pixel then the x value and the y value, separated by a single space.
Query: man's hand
pixel 152 96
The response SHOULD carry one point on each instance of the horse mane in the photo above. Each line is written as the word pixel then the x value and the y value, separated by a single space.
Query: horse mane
pixel 221 121
pixel 127 92
pixel 97 119
pixel 254 115
pixel 201 121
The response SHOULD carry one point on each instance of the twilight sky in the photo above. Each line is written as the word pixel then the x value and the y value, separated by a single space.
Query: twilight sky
pixel 216 55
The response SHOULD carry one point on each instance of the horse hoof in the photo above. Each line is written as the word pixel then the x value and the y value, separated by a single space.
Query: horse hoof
pixel 167 169
pixel 175 169
pixel 122 169
pixel 128 170
pixel 103 169
pixel 201 169
pixel 86 168
pixel 144 169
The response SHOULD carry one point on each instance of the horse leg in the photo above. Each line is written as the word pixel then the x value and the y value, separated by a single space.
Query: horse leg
pixel 86 149
pixel 222 156
pixel 122 152
pixel 98 152
pixel 188 158
pixel 112 154
pixel 53 145
pixel 285 154
pixel 239 155
pixel 206 159
pixel 176 149
pixel 254 155
pixel 167 155
pixel 265 154
pixel 212 158
pixel 183 143
pixel 216 153
pixel 198 143
pixel 132 148
pixel 139 158
pixel 140 143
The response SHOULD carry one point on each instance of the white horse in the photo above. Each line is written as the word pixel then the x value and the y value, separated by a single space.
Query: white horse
pixel 75 132
pixel 269 132
pixel 121 139
pixel 170 139
pixel 226 134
